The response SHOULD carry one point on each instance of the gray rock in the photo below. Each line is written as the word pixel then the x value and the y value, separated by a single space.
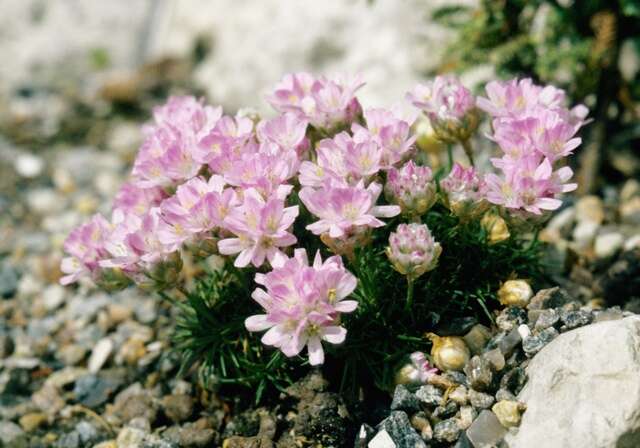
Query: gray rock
pixel 480 400
pixel 547 318
pixel 69 440
pixel 535 342
pixel 429 395
pixel 446 410
pixel 504 394
pixel 514 380
pixel 456 377
pixel 549 298
pixel 584 389
pixel 404 400
pixel 87 431
pixel 92 390
pixel 8 280
pixel 189 436
pixel 486 430
pixel 477 338
pixel 510 318
pixel 381 440
pixel 507 343
pixel 10 433
pixel 575 319
pixel 495 359
pixel 178 407
pixel 401 431
pixel 479 373
pixel 446 431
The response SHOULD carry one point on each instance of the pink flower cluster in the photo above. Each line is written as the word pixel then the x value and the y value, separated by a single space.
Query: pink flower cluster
pixel 535 131
pixel 303 304
pixel 209 183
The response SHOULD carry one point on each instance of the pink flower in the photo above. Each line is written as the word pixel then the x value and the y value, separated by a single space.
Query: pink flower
pixel 197 207
pixel 344 209
pixel 261 229
pixel 342 160
pixel 85 246
pixel 532 189
pixel 303 304
pixel 450 107
pixel 135 200
pixel 324 103
pixel 227 141
pixel 423 370
pixel 412 188
pixel 389 131
pixel 263 171
pixel 463 191
pixel 287 131
pixel 412 250
pixel 167 154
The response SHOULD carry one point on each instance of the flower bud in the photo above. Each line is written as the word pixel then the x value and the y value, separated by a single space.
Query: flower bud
pixel 412 188
pixel 450 107
pixel 496 228
pixel 112 279
pixel 412 250
pixel 463 192
pixel 163 275
pixel 515 293
pixel 426 139
pixel 448 352
pixel 418 371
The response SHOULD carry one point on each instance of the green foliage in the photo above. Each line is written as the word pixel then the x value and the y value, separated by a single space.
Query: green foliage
pixel 381 333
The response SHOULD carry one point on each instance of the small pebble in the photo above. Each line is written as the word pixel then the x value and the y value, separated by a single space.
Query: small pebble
pixel 508 412
pixel 446 431
pixel 480 400
pixel 100 354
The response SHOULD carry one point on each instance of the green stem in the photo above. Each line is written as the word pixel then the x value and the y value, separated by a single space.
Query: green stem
pixel 468 151
pixel 450 155
pixel 409 303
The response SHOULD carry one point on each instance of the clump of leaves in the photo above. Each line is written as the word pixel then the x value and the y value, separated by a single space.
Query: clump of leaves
pixel 210 331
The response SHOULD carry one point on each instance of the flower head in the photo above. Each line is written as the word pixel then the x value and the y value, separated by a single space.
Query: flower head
pixel 324 103
pixel 303 304
pixel 412 250
pixel 463 191
pixel 85 246
pixel 342 210
pixel 449 105
pixel 412 188
pixel 261 228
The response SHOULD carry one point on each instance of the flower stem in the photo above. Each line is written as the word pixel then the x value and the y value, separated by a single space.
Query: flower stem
pixel 409 303
pixel 467 150
pixel 450 155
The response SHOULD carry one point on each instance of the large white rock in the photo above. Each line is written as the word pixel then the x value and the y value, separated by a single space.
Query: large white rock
pixel 584 390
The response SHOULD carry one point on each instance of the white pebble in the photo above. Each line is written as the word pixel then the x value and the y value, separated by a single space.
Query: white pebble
pixel 100 354
pixel 584 233
pixel 632 242
pixel 382 440
pixel 28 165
pixel 53 296
pixel 524 331
pixel 608 244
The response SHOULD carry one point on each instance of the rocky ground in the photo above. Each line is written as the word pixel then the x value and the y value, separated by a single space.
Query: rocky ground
pixel 80 368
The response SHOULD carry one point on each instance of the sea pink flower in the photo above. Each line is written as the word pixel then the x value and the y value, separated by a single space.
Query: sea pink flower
pixel 198 206
pixel 85 247
pixel 449 105
pixel 263 171
pixel 261 229
pixel 167 154
pixel 343 209
pixel 227 141
pixel 135 200
pixel 324 103
pixel 463 191
pixel 424 370
pixel 303 304
pixel 389 131
pixel 287 131
pixel 412 188
pixel 412 250
pixel 342 160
